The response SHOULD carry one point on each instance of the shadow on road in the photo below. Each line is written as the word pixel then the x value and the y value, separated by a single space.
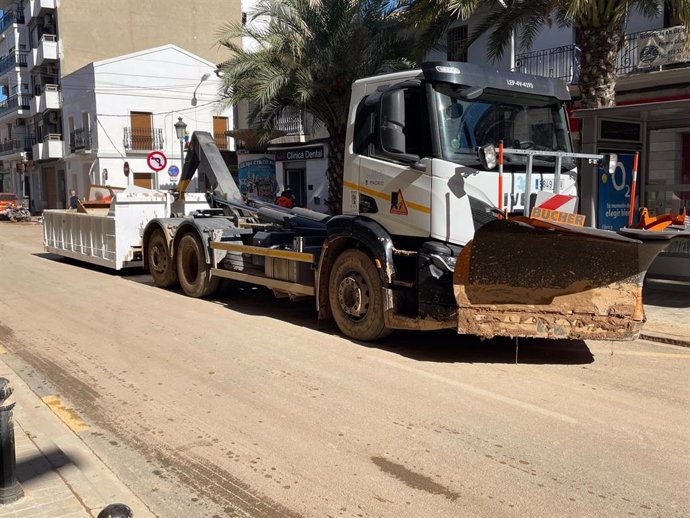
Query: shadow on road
pixel 429 346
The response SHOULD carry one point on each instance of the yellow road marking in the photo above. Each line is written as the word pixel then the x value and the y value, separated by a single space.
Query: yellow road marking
pixel 66 415
pixel 387 197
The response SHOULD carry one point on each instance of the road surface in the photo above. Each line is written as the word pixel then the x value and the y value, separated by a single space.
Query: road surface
pixel 241 406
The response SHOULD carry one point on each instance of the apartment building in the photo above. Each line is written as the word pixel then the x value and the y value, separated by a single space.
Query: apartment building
pixel 118 111
pixel 42 41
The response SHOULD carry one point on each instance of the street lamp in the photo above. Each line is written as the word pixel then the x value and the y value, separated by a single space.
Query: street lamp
pixel 180 129
pixel 203 78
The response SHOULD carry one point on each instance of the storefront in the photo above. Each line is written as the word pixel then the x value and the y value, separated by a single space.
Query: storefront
pixel 303 169
pixel 660 132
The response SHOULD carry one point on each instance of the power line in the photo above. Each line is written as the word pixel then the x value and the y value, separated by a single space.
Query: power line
pixel 158 113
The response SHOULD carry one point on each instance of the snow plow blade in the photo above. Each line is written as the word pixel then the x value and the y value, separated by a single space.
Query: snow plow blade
pixel 527 278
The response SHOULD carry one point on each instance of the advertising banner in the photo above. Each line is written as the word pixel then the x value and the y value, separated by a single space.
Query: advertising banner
pixel 662 47
pixel 614 195
pixel 257 175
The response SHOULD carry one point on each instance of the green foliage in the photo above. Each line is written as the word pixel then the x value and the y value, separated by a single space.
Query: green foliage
pixel 307 54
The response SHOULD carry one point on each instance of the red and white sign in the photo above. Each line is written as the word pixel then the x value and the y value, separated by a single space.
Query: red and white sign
pixel 560 202
pixel 157 160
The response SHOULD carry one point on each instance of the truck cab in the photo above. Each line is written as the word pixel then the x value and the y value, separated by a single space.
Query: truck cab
pixel 411 159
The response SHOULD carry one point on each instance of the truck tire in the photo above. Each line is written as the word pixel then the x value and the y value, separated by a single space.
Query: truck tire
pixel 193 272
pixel 161 265
pixel 356 297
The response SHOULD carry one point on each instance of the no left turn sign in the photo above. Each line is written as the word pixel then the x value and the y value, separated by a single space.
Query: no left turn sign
pixel 157 160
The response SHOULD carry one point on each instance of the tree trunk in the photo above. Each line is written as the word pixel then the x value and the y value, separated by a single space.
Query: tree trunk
pixel 598 76
pixel 336 166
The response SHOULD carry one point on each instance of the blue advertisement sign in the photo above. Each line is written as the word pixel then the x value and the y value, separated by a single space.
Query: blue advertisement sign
pixel 614 195
pixel 258 177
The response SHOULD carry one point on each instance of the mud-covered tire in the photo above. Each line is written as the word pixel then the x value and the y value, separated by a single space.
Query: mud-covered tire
pixel 355 294
pixel 161 266
pixel 193 272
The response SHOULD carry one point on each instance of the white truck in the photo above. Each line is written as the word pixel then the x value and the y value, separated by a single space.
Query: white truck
pixel 109 233
pixel 421 242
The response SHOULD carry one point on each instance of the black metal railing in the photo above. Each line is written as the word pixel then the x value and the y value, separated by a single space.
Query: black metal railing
pixel 15 146
pixel 12 16
pixel 14 102
pixel 79 140
pixel 143 139
pixel 221 140
pixel 15 59
pixel 558 62
pixel 638 54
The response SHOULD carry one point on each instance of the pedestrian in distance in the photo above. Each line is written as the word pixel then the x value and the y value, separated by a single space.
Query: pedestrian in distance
pixel 286 199
pixel 73 200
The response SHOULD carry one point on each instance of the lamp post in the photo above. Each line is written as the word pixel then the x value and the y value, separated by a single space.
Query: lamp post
pixel 203 78
pixel 180 128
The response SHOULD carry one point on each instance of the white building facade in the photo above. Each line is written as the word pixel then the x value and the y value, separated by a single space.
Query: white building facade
pixel 119 117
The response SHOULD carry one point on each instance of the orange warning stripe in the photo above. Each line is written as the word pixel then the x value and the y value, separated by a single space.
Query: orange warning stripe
pixel 387 197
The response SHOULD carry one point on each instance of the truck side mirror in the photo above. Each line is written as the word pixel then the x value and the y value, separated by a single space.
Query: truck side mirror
pixel 392 125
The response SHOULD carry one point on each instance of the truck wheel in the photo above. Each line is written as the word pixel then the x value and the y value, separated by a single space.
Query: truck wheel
pixel 192 270
pixel 161 265
pixel 356 297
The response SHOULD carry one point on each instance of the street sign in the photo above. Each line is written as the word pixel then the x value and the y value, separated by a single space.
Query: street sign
pixel 173 171
pixel 157 160
pixel 125 168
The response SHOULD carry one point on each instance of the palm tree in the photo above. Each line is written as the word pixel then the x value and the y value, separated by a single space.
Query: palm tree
pixel 307 54
pixel 599 27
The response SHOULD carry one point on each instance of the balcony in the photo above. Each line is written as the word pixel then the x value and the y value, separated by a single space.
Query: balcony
pixel 79 140
pixel 47 50
pixel 47 98
pixel 49 148
pixel 291 122
pixel 15 146
pixel 143 139
pixel 11 17
pixel 14 60
pixel 14 103
pixel 33 8
pixel 642 52
pixel 221 140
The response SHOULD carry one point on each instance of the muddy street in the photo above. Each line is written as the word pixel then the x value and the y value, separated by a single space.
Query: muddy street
pixel 241 405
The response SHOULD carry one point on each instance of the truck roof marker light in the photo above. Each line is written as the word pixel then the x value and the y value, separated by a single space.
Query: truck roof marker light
pixel 447 70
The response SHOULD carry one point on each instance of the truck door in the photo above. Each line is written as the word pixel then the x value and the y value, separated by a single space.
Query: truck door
pixel 389 189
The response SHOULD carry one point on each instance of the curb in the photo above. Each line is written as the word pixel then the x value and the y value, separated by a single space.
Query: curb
pixel 665 339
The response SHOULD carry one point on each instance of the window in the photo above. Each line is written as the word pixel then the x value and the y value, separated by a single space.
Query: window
pixel 456 43
pixel 416 129
pixel 141 131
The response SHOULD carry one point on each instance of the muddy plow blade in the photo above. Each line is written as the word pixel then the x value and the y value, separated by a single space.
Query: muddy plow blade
pixel 534 279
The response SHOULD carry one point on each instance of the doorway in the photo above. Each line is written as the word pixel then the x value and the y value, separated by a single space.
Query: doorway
pixel 295 179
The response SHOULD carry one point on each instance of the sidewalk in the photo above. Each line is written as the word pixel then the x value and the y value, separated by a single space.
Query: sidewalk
pixel 667 305
pixel 60 475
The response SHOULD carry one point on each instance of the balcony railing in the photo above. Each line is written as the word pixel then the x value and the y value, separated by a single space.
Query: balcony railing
pixel 15 145
pixel 221 140
pixel 79 140
pixel 559 62
pixel 16 59
pixel 22 101
pixel 291 122
pixel 12 16
pixel 641 52
pixel 143 139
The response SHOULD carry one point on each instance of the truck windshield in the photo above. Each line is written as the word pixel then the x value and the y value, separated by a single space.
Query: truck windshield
pixel 521 121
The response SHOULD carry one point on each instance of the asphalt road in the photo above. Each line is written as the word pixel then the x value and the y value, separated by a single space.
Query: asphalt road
pixel 240 406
